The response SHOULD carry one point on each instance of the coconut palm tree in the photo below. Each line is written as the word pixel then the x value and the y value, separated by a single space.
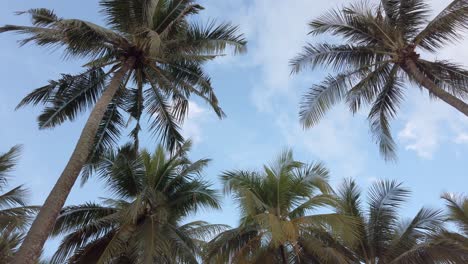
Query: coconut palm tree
pixel 457 206
pixel 386 238
pixel 149 57
pixel 275 222
pixel 145 220
pixel 14 213
pixel 457 214
pixel 381 54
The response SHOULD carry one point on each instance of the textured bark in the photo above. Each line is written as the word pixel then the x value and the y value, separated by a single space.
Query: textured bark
pixel 284 258
pixel 42 226
pixel 412 69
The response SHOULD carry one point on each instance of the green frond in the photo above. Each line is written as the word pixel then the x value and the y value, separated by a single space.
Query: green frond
pixel 365 91
pixel 128 16
pixel 163 122
pixel 41 16
pixel 411 17
pixel 213 38
pixel 201 230
pixel 449 76
pixel 123 172
pixel 338 57
pixel 72 218
pixel 172 14
pixel 457 206
pixel 8 161
pixel 87 254
pixel 446 27
pixel 158 191
pixel 67 97
pixel 116 245
pixel 192 79
pixel 14 197
pixel 383 110
pixel 439 251
pixel 349 199
pixel 311 204
pixel 351 22
pixel 320 98
pixel 230 244
pixel 385 197
pixel 79 38
pixel 82 235
pixel 9 244
pixel 427 222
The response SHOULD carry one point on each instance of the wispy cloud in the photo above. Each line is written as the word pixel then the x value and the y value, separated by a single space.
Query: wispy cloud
pixel 430 124
pixel 335 140
pixel 198 117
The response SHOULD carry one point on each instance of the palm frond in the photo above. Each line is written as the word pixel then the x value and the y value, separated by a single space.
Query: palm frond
pixel 449 76
pixel 411 17
pixel 445 28
pixel 70 96
pixel 439 251
pixel 213 38
pixel 41 16
pixel 79 38
pixel 457 206
pixel 320 98
pixel 351 22
pixel 385 108
pixel 8 161
pixel 163 121
pixel 173 14
pixel 427 222
pixel 384 199
pixel 72 218
pixel 337 57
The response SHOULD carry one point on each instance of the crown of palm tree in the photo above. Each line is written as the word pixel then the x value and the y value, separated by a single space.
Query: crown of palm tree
pixel 385 238
pixel 162 48
pixel 383 56
pixel 148 59
pixel 143 223
pixel 274 206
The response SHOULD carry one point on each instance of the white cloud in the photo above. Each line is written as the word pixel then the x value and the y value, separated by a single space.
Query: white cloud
pixel 334 140
pixel 462 138
pixel 198 116
pixel 276 31
pixel 430 124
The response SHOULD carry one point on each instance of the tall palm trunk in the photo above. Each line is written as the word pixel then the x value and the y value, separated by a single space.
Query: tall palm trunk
pixel 42 226
pixel 412 69
pixel 284 258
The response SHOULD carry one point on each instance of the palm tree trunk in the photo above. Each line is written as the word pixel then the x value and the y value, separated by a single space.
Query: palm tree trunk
pixel 283 255
pixel 412 69
pixel 42 226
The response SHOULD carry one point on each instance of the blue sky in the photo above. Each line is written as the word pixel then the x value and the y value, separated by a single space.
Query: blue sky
pixel 261 101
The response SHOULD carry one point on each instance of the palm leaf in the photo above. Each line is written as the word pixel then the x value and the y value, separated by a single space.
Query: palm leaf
pixel 445 28
pixel 385 108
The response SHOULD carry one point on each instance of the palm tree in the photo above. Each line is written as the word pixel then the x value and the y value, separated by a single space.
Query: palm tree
pixel 457 214
pixel 14 214
pixel 150 45
pixel 380 56
pixel 144 221
pixel 457 206
pixel 275 225
pixel 385 238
